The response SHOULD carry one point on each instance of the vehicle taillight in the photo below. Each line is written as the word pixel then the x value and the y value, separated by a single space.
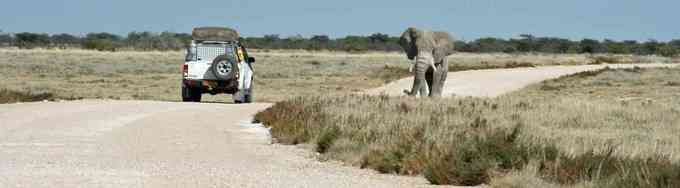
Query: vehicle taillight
pixel 185 70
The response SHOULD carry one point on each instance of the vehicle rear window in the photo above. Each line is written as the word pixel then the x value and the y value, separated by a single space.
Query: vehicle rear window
pixel 210 51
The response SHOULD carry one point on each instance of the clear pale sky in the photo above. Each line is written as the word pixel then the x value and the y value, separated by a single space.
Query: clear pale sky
pixel 466 19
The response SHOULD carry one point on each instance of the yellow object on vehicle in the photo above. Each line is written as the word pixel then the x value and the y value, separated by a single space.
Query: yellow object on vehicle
pixel 239 54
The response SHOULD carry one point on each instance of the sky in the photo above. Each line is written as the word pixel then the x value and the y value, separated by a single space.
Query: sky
pixel 465 19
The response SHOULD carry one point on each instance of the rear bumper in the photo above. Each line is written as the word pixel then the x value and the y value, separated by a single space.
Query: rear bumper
pixel 212 86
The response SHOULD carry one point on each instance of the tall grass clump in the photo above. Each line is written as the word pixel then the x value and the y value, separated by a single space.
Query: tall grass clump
pixel 456 141
pixel 605 128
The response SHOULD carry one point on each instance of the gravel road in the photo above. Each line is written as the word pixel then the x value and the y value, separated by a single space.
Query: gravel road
pixel 104 143
pixel 495 82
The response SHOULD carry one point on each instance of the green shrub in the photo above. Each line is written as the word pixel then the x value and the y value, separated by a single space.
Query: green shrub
pixel 326 139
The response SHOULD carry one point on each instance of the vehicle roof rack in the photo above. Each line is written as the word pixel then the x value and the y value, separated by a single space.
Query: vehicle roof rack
pixel 220 34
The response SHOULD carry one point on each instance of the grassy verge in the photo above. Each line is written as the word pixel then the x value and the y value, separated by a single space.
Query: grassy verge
pixel 607 128
pixel 11 96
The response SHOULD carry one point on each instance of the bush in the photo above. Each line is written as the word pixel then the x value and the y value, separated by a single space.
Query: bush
pixel 326 139
pixel 10 96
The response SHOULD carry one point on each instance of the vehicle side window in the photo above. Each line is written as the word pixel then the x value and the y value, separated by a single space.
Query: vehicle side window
pixel 231 54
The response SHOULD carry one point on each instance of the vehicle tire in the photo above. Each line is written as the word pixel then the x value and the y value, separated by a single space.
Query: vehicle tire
pixel 186 94
pixel 191 94
pixel 224 67
pixel 196 94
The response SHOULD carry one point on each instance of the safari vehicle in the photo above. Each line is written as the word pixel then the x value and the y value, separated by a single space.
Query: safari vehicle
pixel 215 63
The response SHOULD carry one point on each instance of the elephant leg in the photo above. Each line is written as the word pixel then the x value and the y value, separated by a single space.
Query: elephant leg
pixel 429 78
pixel 436 84
pixel 439 78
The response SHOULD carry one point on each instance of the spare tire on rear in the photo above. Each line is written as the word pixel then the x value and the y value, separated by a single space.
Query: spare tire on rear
pixel 224 67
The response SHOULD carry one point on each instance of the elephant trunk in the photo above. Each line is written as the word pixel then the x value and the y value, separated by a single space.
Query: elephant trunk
pixel 420 85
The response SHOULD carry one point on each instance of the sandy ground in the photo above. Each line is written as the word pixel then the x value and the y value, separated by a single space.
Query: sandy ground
pixel 95 143
pixel 495 82
pixel 102 143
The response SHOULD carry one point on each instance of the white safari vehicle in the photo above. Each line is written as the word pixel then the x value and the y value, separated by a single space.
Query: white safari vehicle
pixel 215 63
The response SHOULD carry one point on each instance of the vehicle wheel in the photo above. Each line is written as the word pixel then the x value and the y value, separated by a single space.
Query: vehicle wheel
pixel 186 94
pixel 224 67
pixel 191 94
pixel 196 94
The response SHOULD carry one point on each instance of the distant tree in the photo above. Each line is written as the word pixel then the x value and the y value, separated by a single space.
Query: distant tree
pixel 615 47
pixel 630 46
pixel 674 43
pixel 184 38
pixel 318 42
pixel 32 40
pixel 392 44
pixel 271 38
pixel 650 47
pixel 590 46
pixel 460 46
pixel 552 45
pixel 65 40
pixel 379 38
pixel 524 44
pixel 378 42
pixel 354 43
pixel 320 38
pixel 102 41
pixel 141 40
pixel 667 50
pixel 6 39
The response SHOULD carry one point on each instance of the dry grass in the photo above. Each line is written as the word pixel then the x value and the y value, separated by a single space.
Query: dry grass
pixel 156 76
pixel 279 75
pixel 634 110
pixel 9 96
pixel 605 128
pixel 90 74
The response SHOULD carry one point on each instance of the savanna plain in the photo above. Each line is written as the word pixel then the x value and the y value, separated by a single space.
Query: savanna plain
pixel 605 128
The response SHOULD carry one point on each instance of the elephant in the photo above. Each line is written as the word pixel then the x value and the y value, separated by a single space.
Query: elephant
pixel 430 50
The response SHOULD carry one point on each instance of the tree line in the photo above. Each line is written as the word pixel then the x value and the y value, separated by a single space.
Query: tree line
pixel 98 41
pixel 374 42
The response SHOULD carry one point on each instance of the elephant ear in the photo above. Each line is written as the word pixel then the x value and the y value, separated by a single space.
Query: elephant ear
pixel 407 42
pixel 444 46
